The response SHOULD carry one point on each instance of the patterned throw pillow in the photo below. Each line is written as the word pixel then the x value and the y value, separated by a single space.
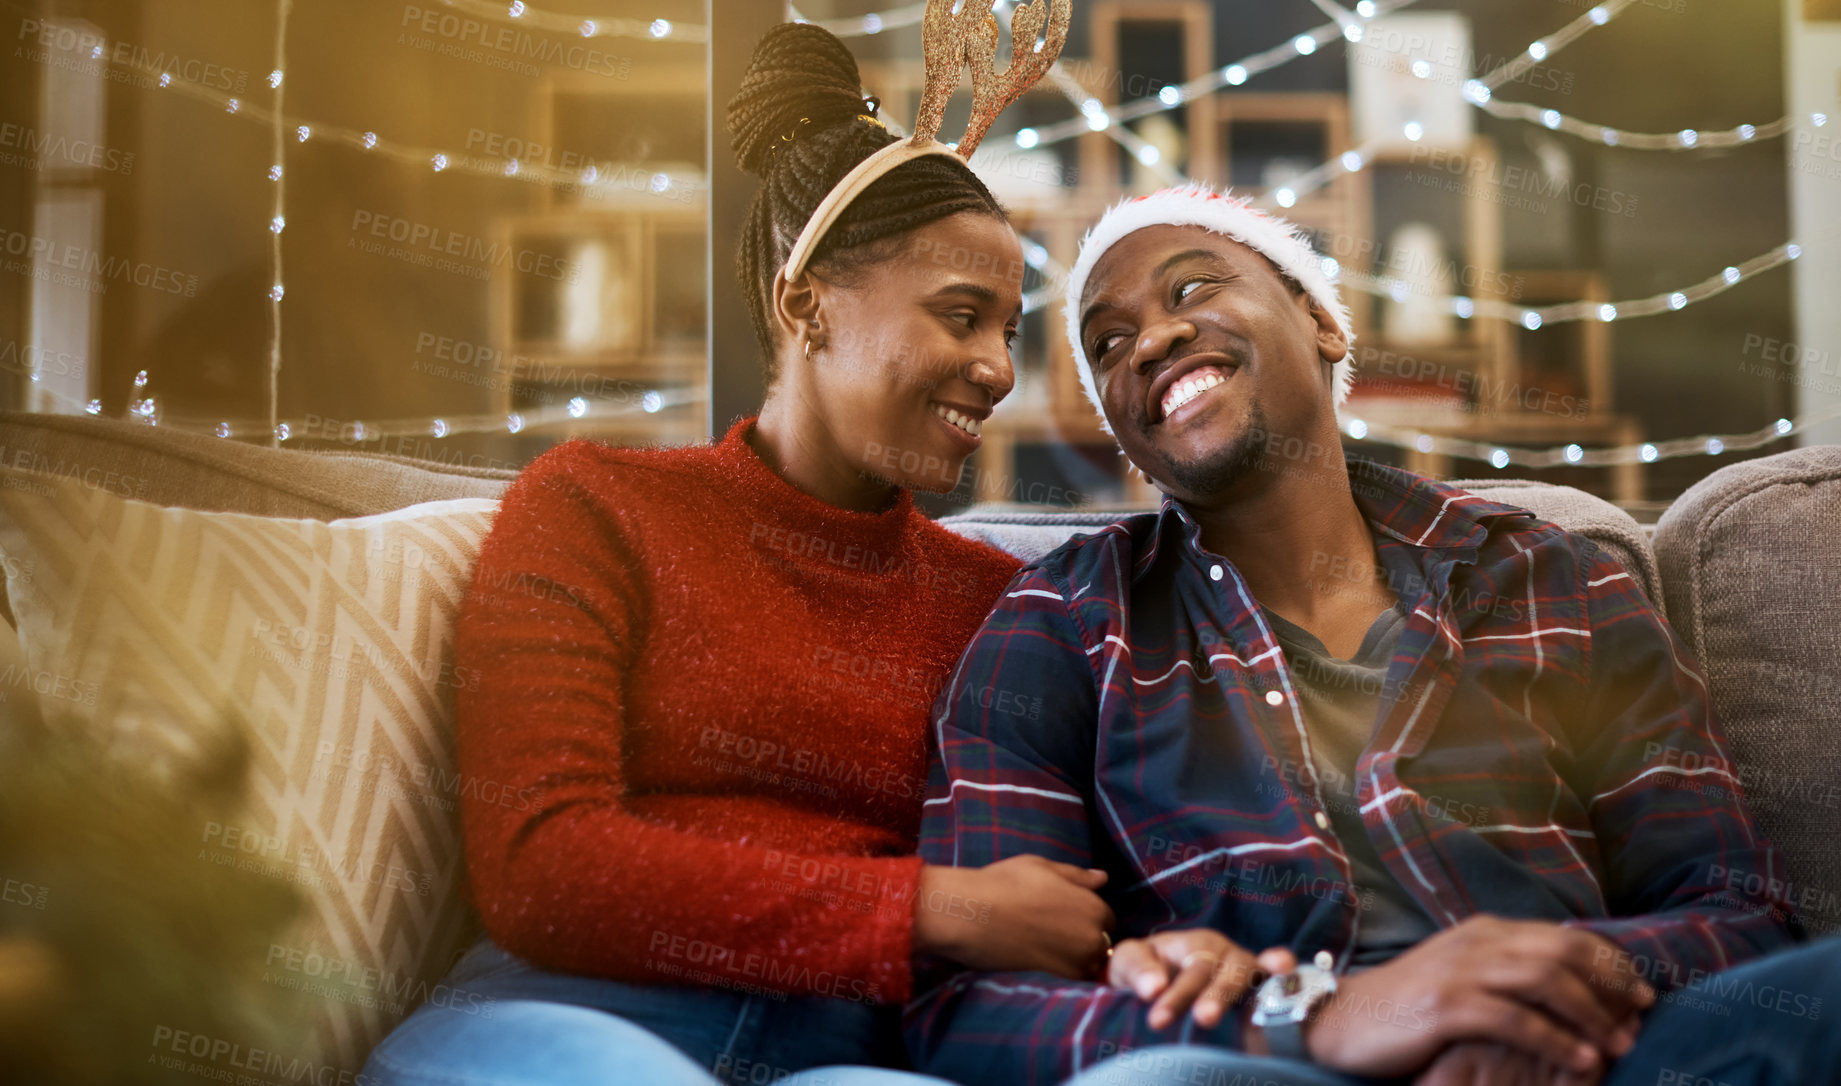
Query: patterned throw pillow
pixel 330 644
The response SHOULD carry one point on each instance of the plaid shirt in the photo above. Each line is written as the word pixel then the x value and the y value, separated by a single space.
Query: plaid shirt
pixel 1545 751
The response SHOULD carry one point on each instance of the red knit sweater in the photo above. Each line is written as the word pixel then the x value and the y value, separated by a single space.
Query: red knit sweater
pixel 702 702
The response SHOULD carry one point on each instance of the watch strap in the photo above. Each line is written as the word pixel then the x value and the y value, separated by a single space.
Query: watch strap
pixel 1285 1039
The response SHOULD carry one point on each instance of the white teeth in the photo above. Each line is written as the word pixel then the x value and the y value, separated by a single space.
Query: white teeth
pixel 1188 389
pixel 970 425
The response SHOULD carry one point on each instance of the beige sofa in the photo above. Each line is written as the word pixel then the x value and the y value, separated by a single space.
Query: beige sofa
pixel 1748 563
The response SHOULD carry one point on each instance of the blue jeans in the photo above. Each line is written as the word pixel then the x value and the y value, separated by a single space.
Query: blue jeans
pixel 509 1023
pixel 1768 1022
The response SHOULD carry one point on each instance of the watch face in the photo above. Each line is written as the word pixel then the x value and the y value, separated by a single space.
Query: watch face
pixel 1317 984
pixel 1292 997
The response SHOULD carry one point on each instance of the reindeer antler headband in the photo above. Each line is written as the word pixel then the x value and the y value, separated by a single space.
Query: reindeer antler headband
pixel 955 35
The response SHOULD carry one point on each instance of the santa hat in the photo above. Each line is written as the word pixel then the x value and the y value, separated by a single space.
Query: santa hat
pixel 1195 204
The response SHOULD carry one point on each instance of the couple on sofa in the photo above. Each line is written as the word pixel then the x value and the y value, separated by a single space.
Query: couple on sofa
pixel 1323 773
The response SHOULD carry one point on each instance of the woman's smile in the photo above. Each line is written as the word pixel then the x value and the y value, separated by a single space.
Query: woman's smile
pixel 962 423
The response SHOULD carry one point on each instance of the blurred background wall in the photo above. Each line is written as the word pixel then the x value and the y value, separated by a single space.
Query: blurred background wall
pixel 535 244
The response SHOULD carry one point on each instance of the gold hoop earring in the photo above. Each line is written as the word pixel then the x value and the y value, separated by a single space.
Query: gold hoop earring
pixel 808 350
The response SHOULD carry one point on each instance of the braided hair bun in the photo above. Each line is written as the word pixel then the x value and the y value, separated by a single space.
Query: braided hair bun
pixel 799 73
pixel 796 123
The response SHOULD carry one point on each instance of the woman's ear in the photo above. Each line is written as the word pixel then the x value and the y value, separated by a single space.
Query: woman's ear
pixel 795 305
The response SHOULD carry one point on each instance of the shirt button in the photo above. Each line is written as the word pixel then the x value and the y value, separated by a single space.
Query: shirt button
pixel 1273 697
pixel 1323 823
pixel 1324 960
pixel 1214 572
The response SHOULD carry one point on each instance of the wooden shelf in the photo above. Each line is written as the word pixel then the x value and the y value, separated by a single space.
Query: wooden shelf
pixel 1106 80
pixel 625 313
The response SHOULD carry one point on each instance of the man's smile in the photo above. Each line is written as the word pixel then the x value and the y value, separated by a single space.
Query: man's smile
pixel 1186 382
pixel 1191 388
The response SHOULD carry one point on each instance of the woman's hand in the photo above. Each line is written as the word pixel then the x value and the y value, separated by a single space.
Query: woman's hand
pixel 1196 967
pixel 1020 914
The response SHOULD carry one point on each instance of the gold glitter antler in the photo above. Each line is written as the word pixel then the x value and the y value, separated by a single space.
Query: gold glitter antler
pixel 955 34
pixel 1030 60
pixel 953 40
pixel 944 33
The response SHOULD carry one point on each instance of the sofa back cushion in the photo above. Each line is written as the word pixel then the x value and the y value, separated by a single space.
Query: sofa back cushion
pixel 329 644
pixel 1030 534
pixel 192 471
pixel 1751 559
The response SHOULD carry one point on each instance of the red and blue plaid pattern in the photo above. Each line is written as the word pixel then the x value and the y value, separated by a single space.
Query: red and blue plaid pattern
pixel 1546 750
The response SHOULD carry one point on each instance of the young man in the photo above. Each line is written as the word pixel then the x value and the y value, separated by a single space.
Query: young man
pixel 1399 740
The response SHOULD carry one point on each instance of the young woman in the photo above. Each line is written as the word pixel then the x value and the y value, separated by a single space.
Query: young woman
pixel 706 672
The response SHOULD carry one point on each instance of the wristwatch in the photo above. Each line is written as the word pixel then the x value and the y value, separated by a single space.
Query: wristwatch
pixel 1285 1005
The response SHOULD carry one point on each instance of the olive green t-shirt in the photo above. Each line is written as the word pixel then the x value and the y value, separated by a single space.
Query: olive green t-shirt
pixel 1341 702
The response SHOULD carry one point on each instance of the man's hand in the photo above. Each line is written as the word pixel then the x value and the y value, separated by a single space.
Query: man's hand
pixel 1197 967
pixel 1480 1063
pixel 1539 988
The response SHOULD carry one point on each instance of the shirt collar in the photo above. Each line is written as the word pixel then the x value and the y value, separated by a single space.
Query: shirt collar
pixel 1399 504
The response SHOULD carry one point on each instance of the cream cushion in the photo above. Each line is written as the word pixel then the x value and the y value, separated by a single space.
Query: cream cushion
pixel 330 642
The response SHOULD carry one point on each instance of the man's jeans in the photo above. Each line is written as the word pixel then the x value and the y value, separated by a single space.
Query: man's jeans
pixel 1769 1021
pixel 504 1022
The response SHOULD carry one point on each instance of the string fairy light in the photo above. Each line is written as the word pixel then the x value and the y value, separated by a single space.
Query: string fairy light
pixel 278 220
pixel 1686 139
pixel 141 404
pixel 592 180
pixel 595 180
pixel 1349 26
pixel 1096 117
pixel 873 23
pixel 1535 317
pixel 279 431
pixel 1342 15
pixel 1501 457
pixel 1467 307
pixel 519 13
pixel 1478 92
pixel 653 401
pixel 1541 49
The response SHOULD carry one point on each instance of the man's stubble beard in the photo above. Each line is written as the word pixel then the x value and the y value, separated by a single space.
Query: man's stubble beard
pixel 1219 470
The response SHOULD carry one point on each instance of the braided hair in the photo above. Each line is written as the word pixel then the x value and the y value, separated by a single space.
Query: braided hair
pixel 802 82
